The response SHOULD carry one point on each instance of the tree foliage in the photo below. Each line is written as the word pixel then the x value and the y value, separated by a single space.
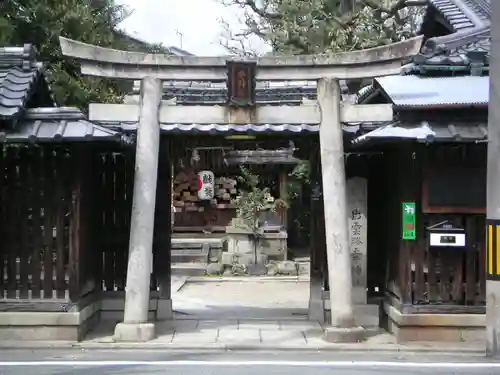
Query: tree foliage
pixel 324 26
pixel 253 200
pixel 41 22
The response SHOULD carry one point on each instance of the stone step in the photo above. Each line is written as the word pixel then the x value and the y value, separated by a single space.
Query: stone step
pixel 196 250
pixel 189 269
pixel 188 235
pixel 304 265
pixel 191 242
pixel 304 268
pixel 189 255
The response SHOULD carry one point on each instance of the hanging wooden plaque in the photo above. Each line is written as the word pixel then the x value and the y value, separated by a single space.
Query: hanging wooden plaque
pixel 241 84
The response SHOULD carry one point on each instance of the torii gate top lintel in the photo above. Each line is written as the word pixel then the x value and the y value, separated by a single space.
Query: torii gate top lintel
pixel 106 62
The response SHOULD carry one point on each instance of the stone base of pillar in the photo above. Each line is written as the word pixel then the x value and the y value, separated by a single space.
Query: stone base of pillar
pixel 164 309
pixel 134 332
pixel 346 335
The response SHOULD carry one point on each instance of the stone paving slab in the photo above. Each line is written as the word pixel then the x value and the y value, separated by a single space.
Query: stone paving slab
pixel 177 325
pixel 278 337
pixel 157 344
pixel 259 325
pixel 239 336
pixel 208 336
pixel 300 325
pixel 217 324
pixel 249 335
pixel 162 344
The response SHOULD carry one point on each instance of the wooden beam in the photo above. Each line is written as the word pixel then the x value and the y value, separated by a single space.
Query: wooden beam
pixel 191 114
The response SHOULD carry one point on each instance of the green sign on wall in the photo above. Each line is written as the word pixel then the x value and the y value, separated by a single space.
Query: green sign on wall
pixel 409 221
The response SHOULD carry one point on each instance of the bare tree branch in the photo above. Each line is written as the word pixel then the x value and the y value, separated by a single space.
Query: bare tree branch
pixel 317 26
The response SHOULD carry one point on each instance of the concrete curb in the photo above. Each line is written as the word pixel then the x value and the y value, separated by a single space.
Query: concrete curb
pixel 351 348
pixel 205 279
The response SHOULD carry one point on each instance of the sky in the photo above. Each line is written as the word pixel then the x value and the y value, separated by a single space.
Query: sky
pixel 198 22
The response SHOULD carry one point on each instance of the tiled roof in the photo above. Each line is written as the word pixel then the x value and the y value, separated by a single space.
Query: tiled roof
pixel 58 125
pixel 128 127
pixel 437 92
pixel 427 132
pixel 481 8
pixel 192 95
pixel 19 75
pixel 452 13
pixel 195 93
pixel 219 128
pixel 464 14
pixel 470 31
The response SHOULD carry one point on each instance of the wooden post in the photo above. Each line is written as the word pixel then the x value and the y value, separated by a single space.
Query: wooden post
pixel 163 233
pixel 316 244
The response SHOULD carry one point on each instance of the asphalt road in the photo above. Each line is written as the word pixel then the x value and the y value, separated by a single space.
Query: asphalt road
pixel 148 362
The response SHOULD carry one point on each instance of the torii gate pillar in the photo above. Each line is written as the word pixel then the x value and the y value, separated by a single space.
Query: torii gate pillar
pixel 135 326
pixel 343 327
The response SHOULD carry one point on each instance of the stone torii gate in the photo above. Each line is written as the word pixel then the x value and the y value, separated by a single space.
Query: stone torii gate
pixel 329 112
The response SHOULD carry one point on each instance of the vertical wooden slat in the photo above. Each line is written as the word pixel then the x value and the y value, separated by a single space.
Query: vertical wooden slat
pixel 13 223
pixel 162 226
pixel 97 217
pixel 36 223
pixel 3 220
pixel 109 230
pixel 121 221
pixel 420 244
pixel 481 256
pixel 61 175
pixel 470 261
pixel 95 224
pixel 89 260
pixel 317 239
pixel 48 203
pixel 419 261
pixel 432 279
pixel 74 243
pixel 457 263
pixel 78 262
pixel 129 191
pixel 405 271
pixel 444 279
pixel 24 206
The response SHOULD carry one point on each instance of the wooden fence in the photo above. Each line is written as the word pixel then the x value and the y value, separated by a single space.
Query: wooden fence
pixel 64 221
pixel 35 230
pixel 113 189
pixel 451 276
